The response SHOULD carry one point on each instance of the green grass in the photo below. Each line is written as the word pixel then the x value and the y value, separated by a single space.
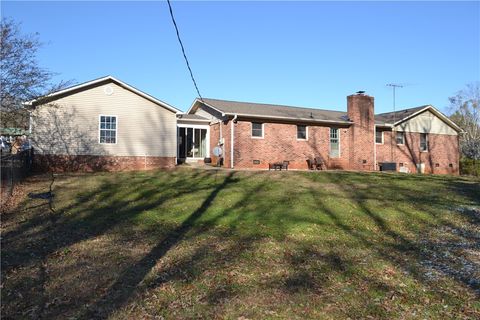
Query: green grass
pixel 191 244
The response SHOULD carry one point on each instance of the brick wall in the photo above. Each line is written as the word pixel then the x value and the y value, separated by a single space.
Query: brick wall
pixel 280 143
pixel 441 158
pixel 63 163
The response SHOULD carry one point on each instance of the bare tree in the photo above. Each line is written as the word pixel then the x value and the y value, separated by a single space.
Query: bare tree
pixel 21 78
pixel 465 106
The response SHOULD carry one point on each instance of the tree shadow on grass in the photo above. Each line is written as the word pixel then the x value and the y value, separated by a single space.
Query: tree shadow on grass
pixel 396 246
pixel 124 286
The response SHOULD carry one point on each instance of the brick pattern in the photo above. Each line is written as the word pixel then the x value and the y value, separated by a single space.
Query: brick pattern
pixel 360 110
pixel 66 163
pixel 280 143
pixel 442 156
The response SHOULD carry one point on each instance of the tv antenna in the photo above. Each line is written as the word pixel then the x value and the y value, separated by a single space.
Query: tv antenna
pixel 394 86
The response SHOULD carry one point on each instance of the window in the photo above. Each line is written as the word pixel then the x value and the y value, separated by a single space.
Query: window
pixel 301 132
pixel 257 130
pixel 423 142
pixel 400 137
pixel 378 137
pixel 108 129
pixel 334 143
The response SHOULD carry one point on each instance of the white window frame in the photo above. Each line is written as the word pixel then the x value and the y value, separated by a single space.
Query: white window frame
pixel 100 128
pixel 426 142
pixel 251 130
pixel 306 132
pixel 403 138
pixel 330 143
pixel 195 126
pixel 376 136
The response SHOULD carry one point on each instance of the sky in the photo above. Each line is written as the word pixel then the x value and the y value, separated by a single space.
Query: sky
pixel 310 54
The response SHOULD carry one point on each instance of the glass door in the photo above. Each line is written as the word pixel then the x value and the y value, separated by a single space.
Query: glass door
pixel 192 143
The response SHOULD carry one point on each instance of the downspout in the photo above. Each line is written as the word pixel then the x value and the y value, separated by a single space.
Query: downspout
pixel 232 133
pixel 374 148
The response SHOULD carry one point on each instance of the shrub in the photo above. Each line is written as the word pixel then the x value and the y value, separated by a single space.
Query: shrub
pixel 470 167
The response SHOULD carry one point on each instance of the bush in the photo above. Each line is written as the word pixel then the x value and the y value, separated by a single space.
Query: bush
pixel 470 167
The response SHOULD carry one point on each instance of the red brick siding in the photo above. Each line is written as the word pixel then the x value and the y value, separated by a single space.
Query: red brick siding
pixel 443 150
pixel 360 111
pixel 280 143
pixel 62 163
pixel 214 139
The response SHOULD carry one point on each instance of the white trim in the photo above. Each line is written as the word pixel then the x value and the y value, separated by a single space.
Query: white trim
pixel 426 142
pixel 403 135
pixel 118 82
pixel 330 142
pixel 208 105
pixel 196 126
pixel 288 118
pixel 232 133
pixel 376 137
pixel 306 132
pixel 100 129
pixel 256 116
pixel 251 130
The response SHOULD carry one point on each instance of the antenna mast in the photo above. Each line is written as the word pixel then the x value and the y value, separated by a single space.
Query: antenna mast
pixel 394 138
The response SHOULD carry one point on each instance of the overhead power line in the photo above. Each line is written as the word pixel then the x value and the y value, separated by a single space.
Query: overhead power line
pixel 183 50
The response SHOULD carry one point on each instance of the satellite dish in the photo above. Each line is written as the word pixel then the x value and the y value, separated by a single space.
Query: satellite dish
pixel 217 151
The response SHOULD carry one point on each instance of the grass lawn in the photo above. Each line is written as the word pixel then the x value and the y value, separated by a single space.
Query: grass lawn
pixel 191 244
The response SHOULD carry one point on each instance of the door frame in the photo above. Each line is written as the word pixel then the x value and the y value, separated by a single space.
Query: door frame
pixel 194 126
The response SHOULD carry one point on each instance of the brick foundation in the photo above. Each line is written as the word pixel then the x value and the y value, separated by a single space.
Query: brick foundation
pixel 85 163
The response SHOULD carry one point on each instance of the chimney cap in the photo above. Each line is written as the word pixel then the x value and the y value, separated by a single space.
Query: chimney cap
pixel 361 92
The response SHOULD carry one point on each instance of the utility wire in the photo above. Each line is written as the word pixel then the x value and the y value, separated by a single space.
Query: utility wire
pixel 183 50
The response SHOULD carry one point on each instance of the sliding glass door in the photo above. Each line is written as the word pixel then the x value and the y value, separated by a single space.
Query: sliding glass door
pixel 192 142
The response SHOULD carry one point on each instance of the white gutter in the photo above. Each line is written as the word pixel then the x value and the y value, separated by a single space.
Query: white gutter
pixel 232 132
pixel 287 118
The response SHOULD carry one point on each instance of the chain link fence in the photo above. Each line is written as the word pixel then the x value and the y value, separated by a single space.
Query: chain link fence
pixel 14 168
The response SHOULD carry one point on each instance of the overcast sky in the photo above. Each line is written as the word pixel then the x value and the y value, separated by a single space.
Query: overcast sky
pixel 310 54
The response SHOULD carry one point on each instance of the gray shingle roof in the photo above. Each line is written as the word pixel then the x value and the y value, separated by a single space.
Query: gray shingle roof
pixel 299 113
pixel 189 116
pixel 276 111
pixel 391 117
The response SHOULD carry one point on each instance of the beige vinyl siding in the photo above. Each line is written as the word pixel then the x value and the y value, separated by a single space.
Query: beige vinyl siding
pixel 70 125
pixel 209 113
pixel 426 122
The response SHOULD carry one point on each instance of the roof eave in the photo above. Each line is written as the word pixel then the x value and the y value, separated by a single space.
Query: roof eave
pixel 436 112
pixel 246 115
pixel 113 79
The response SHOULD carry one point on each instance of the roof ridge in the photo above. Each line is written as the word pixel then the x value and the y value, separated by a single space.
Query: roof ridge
pixel 277 105
pixel 406 109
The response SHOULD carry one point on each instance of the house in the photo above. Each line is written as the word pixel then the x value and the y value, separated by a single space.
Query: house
pixel 103 124
pixel 253 135
pixel 108 124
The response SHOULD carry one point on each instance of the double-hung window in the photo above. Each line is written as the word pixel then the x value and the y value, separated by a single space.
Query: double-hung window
pixel 400 137
pixel 108 129
pixel 257 130
pixel 378 137
pixel 334 143
pixel 301 132
pixel 423 142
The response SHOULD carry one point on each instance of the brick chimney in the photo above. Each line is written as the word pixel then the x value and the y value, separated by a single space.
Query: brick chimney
pixel 362 133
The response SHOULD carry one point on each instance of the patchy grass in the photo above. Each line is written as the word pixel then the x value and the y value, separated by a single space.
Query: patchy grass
pixel 244 245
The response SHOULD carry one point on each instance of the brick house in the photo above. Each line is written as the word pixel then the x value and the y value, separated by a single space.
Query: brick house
pixel 106 124
pixel 253 135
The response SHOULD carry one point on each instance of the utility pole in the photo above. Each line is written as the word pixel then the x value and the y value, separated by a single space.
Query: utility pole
pixel 394 132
